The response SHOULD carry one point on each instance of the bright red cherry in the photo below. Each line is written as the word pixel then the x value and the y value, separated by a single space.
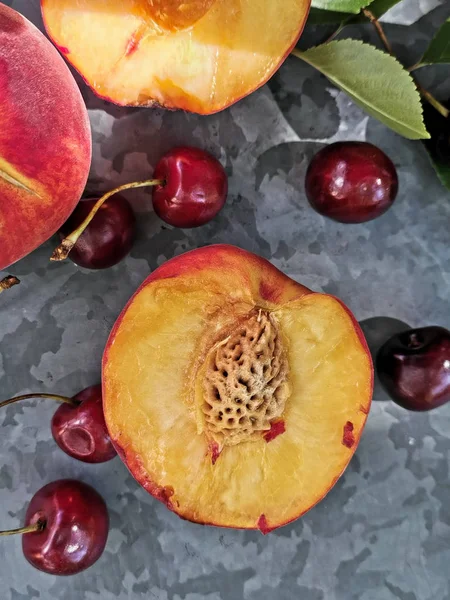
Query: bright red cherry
pixel 351 182
pixel 72 528
pixel 78 425
pixel 190 188
pixel 108 237
pixel 80 431
pixel 194 190
pixel 414 368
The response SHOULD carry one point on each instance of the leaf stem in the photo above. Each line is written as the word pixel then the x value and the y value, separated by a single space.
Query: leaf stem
pixel 415 67
pixel 334 34
pixel 423 92
pixel 296 52
pixel 432 100
pixel 379 29
pixel 8 282
pixel 62 251
pixel 55 397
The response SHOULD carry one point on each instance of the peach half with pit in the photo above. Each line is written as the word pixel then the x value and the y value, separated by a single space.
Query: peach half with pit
pixel 234 394
pixel 197 55
pixel 45 139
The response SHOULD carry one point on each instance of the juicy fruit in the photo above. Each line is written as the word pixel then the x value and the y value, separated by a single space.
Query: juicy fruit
pixel 200 56
pixel 74 531
pixel 45 142
pixel 80 431
pixel 351 182
pixel 414 368
pixel 234 394
pixel 108 238
pixel 195 187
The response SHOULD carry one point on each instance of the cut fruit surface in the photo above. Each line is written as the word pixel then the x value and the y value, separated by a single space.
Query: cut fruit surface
pixel 234 394
pixel 45 140
pixel 196 55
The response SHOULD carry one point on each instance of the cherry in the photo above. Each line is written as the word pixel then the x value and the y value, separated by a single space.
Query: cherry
pixel 414 368
pixel 109 237
pixel 194 190
pixel 190 189
pixel 78 425
pixel 351 182
pixel 80 431
pixel 66 528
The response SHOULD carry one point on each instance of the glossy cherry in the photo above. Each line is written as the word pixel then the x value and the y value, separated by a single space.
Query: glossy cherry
pixel 351 182
pixel 109 237
pixel 194 190
pixel 190 188
pixel 66 528
pixel 78 425
pixel 414 368
pixel 81 430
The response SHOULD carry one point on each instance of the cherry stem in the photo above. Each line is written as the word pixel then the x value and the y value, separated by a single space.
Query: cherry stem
pixel 423 92
pixel 415 341
pixel 38 526
pixel 55 397
pixel 63 250
pixel 8 282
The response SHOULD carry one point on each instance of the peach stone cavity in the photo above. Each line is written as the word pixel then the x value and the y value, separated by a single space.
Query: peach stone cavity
pixel 245 382
pixel 175 15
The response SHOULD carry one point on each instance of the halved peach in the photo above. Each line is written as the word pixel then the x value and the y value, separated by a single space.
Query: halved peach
pixel 45 138
pixel 196 55
pixel 234 394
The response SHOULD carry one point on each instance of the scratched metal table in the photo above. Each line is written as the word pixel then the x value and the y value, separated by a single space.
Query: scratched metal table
pixel 383 532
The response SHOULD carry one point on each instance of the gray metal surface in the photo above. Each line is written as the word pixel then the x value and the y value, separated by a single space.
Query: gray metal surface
pixel 383 532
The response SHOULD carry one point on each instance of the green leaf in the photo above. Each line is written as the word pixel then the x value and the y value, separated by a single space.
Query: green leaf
pixel 345 6
pixel 374 80
pixel 318 16
pixel 438 146
pixel 442 170
pixel 326 17
pixel 379 7
pixel 438 51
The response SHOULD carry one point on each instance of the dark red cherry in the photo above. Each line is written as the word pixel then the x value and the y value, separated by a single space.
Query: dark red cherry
pixel 81 430
pixel 73 528
pixel 78 425
pixel 194 190
pixel 109 236
pixel 351 182
pixel 414 368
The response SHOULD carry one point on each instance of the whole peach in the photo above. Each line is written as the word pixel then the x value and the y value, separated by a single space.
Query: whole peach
pixel 45 141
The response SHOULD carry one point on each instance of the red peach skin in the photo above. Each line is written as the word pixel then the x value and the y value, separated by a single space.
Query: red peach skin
pixel 45 141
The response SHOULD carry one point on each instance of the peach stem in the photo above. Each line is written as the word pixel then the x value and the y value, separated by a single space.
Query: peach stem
pixel 8 282
pixel 55 397
pixel 38 526
pixel 62 251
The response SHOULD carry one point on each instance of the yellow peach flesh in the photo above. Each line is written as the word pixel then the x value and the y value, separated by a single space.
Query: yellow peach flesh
pixel 222 51
pixel 151 401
